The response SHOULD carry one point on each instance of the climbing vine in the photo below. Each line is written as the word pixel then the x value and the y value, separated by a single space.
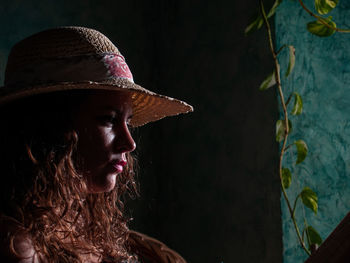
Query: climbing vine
pixel 322 26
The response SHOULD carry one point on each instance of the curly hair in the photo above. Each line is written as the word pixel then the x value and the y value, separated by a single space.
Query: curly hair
pixel 44 191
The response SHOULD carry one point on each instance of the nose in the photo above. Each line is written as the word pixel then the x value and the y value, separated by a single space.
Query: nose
pixel 123 140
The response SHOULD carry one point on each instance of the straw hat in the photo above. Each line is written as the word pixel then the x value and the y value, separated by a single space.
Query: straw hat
pixel 71 58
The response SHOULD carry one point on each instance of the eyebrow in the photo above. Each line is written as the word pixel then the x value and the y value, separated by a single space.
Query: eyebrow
pixel 116 110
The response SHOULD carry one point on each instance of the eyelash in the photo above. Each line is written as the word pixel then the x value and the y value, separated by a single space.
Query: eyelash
pixel 111 120
pixel 108 119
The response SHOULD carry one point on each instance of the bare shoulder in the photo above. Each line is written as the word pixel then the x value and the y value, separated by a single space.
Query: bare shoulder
pixel 19 248
pixel 152 250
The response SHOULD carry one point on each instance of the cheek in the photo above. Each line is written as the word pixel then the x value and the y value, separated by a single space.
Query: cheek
pixel 95 144
pixel 107 136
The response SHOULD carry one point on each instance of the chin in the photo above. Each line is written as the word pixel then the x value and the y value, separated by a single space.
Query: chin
pixel 102 186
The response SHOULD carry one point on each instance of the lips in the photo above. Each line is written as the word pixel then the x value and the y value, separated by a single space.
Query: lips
pixel 119 165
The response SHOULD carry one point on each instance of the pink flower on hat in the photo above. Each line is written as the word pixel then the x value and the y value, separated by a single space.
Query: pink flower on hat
pixel 117 66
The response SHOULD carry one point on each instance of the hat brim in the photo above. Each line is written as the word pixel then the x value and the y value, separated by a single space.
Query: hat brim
pixel 147 105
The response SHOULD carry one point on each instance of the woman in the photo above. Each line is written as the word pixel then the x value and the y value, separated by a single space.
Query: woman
pixel 66 108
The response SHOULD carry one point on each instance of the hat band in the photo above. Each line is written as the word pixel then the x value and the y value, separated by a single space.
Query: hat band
pixel 91 67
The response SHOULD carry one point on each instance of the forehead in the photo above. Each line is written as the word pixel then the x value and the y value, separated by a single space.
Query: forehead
pixel 107 100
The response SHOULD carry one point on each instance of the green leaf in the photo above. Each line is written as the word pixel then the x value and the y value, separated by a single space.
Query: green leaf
pixel 325 6
pixel 301 150
pixel 286 178
pixel 273 8
pixel 259 21
pixel 298 104
pixel 309 199
pixel 291 60
pixel 255 25
pixel 319 29
pixel 313 236
pixel 268 82
pixel 281 129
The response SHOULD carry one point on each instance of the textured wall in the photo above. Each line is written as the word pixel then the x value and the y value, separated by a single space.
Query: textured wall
pixel 322 77
pixel 208 179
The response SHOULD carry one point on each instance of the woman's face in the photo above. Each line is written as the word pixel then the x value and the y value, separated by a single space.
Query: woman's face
pixel 101 123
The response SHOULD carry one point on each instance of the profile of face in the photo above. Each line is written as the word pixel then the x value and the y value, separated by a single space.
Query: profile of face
pixel 101 123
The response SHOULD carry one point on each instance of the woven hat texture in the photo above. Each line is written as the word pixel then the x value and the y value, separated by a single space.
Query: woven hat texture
pixel 72 58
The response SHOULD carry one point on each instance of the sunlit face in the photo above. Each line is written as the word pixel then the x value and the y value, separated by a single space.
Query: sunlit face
pixel 101 123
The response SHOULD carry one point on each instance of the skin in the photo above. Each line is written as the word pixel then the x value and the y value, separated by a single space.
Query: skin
pixel 101 123
pixel 22 243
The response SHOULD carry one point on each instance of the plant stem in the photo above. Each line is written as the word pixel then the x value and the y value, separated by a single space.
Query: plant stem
pixel 290 145
pixel 295 204
pixel 281 48
pixel 321 19
pixel 279 87
pixel 307 232
pixel 289 98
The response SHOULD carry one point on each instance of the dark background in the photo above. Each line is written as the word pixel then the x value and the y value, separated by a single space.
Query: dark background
pixel 209 187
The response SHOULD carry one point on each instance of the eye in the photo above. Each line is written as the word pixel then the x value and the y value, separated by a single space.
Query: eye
pixel 128 121
pixel 108 119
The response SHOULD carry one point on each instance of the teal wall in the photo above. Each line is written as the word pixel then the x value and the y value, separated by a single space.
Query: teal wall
pixel 322 77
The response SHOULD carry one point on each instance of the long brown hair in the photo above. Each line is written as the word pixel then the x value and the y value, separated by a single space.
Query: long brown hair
pixel 43 191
